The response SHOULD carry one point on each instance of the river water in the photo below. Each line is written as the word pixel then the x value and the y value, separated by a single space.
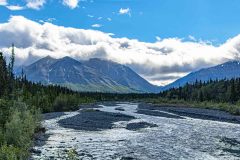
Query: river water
pixel 173 138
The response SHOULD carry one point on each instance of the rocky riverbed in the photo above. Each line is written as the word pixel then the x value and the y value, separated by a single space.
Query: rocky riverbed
pixel 133 131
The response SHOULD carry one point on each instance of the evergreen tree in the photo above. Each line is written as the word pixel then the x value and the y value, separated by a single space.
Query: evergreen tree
pixel 233 94
pixel 3 75
pixel 11 72
pixel 200 95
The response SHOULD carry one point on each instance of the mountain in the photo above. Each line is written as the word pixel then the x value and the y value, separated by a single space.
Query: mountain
pixel 94 75
pixel 121 74
pixel 38 71
pixel 226 70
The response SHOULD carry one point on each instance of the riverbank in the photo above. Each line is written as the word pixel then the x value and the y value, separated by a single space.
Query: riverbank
pixel 137 131
pixel 186 111
pixel 227 107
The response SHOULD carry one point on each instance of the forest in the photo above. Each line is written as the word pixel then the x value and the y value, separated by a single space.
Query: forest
pixel 22 103
pixel 214 94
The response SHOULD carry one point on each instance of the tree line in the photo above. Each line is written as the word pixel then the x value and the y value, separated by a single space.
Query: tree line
pixel 21 105
pixel 22 102
pixel 214 90
pixel 214 94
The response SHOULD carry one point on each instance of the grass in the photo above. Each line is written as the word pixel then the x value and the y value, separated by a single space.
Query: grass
pixel 227 107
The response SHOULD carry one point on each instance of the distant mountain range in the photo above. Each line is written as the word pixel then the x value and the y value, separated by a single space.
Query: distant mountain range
pixel 97 75
pixel 94 75
pixel 226 70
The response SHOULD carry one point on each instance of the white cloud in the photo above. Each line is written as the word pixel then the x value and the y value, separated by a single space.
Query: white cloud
pixel 15 7
pixel 50 20
pixel 109 19
pixel 158 38
pixel 96 25
pixel 91 16
pixel 3 2
pixel 71 3
pixel 124 11
pixel 192 38
pixel 32 4
pixel 41 21
pixel 35 4
pixel 160 62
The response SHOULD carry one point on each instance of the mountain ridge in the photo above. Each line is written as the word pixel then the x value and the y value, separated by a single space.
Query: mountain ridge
pixel 94 75
pixel 227 70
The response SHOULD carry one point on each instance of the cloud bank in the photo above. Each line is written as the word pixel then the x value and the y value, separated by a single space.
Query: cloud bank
pixel 160 62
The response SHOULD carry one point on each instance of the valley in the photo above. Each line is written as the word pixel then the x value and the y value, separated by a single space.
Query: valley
pixel 119 80
pixel 103 131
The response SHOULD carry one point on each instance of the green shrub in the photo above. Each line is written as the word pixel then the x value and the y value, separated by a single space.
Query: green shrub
pixel 16 137
pixel 1 137
pixel 12 153
pixel 65 103
pixel 19 129
pixel 72 154
pixel 4 112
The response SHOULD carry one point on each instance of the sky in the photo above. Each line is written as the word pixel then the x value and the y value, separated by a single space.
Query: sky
pixel 162 40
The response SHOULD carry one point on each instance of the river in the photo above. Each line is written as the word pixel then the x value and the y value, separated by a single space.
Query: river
pixel 165 137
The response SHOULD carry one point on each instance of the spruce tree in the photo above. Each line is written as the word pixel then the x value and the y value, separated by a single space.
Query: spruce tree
pixel 11 71
pixel 233 94
pixel 3 75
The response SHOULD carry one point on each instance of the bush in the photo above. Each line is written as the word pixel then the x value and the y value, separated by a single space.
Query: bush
pixel 72 154
pixel 65 103
pixel 19 129
pixel 12 153
pixel 1 137
pixel 16 136
pixel 4 112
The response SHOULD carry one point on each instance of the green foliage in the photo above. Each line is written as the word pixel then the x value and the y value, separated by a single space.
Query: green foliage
pixel 10 153
pixel 72 155
pixel 4 112
pixel 21 102
pixel 20 128
pixel 3 76
pixel 16 137
pixel 1 137
pixel 18 120
pixel 222 95
pixel 65 103
pixel 225 91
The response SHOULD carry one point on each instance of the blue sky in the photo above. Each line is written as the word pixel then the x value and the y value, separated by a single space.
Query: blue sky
pixel 162 40
pixel 211 20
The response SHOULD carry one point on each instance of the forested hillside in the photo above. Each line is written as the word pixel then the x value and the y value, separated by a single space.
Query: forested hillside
pixel 225 71
pixel 21 104
pixel 225 94
pixel 217 91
